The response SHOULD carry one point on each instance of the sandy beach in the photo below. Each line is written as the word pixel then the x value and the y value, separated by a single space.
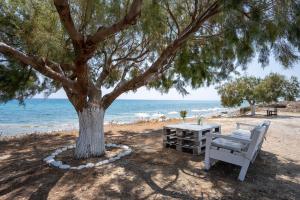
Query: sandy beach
pixel 151 171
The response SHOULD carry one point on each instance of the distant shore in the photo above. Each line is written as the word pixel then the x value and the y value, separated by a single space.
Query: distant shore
pixel 73 127
pixel 47 115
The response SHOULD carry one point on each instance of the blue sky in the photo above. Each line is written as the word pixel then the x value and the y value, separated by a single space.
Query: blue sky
pixel 205 93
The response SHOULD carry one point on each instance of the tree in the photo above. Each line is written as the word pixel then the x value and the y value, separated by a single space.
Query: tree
pixel 254 90
pixel 276 86
pixel 292 89
pixel 86 46
pixel 234 93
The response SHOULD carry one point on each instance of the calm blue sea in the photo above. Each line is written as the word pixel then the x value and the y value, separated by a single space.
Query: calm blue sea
pixel 43 115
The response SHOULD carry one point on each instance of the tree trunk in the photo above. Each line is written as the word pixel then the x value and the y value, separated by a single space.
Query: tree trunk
pixel 90 142
pixel 252 106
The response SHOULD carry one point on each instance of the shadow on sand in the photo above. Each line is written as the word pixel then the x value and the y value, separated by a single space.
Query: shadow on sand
pixel 151 172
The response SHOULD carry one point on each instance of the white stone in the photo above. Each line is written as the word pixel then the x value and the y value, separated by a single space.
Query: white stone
pixel 64 167
pixel 54 154
pixel 51 159
pixel 48 158
pixel 112 159
pixel 98 164
pixel 125 147
pixel 64 148
pixel 71 146
pixel 56 163
pixel 80 167
pixel 90 165
pixel 122 154
pixel 58 151
pixel 73 168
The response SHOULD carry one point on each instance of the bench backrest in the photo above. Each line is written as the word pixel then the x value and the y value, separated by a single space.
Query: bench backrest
pixel 258 134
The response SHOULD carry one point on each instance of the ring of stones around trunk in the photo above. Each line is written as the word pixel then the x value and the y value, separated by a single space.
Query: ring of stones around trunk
pixel 59 164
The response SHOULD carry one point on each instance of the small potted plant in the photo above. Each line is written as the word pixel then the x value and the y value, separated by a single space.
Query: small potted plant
pixel 183 114
pixel 200 120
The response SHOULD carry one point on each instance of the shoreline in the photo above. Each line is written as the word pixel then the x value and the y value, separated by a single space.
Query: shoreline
pixel 228 113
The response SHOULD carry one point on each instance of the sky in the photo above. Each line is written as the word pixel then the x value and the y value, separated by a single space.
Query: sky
pixel 204 93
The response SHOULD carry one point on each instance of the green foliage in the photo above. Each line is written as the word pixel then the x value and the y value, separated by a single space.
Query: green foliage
pixel 17 83
pixel 253 90
pixel 183 114
pixel 276 86
pixel 223 43
pixel 234 93
pixel 292 89
pixel 271 88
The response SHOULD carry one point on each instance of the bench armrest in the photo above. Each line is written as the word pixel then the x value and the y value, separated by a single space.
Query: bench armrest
pixel 239 124
pixel 244 141
pixel 245 124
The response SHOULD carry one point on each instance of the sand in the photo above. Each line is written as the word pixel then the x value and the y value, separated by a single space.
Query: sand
pixel 153 172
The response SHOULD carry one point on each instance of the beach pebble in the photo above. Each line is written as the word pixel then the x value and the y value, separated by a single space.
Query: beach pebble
pixel 73 168
pixel 54 154
pixel 64 167
pixel 56 163
pixel 48 158
pixel 71 146
pixel 64 148
pixel 51 159
pixel 98 164
pixel 89 165
pixel 80 167
pixel 103 162
pixel 113 159
pixel 125 147
pixel 58 151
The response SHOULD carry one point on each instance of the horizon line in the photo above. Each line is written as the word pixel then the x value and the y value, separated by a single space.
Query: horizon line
pixel 143 99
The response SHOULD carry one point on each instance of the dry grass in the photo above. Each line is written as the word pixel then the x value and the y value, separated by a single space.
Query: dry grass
pixel 153 172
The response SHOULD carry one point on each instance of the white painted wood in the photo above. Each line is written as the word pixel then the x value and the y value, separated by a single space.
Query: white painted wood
pixel 239 124
pixel 91 133
pixel 192 127
pixel 207 160
pixel 193 133
pixel 231 137
pixel 243 171
pixel 242 157
pixel 227 157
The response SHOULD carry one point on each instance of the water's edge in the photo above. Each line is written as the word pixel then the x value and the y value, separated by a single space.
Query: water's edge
pixel 48 115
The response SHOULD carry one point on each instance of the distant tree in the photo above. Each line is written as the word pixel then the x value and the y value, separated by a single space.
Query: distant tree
pixel 254 90
pixel 234 93
pixel 271 88
pixel 122 45
pixel 292 89
pixel 276 86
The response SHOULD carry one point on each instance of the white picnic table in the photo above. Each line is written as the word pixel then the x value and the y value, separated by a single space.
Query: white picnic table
pixel 193 127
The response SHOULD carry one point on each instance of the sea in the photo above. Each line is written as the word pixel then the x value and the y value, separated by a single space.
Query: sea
pixel 47 115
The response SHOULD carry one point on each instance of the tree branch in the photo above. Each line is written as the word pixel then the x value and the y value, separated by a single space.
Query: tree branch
pixel 104 32
pixel 172 48
pixel 41 65
pixel 173 17
pixel 63 9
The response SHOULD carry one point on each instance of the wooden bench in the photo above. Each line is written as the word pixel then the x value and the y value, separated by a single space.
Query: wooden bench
pixel 272 111
pixel 239 148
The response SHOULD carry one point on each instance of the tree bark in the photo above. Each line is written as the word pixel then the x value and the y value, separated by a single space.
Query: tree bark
pixel 252 106
pixel 90 142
